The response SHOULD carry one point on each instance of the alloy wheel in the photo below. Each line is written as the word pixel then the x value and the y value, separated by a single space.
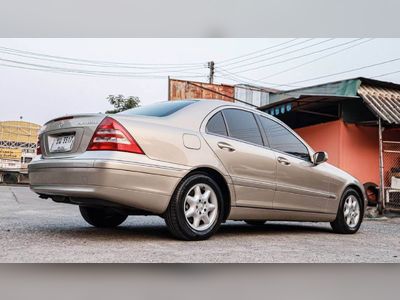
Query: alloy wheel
pixel 201 207
pixel 351 211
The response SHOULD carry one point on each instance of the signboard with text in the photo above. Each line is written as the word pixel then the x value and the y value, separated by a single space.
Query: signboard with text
pixel 11 154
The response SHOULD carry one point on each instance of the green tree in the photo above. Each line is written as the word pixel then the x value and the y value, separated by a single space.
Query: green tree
pixel 121 103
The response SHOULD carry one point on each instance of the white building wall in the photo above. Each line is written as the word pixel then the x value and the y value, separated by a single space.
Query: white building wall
pixel 252 95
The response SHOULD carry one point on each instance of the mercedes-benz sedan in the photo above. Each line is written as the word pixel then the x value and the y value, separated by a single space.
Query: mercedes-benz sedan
pixel 194 163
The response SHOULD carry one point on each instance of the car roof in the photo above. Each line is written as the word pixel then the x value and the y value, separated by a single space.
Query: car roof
pixel 211 104
pixel 191 116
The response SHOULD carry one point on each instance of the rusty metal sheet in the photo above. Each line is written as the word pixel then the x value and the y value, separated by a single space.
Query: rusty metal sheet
pixel 384 102
pixel 182 89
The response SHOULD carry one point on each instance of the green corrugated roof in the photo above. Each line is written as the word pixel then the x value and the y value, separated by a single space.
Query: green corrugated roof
pixel 339 88
pixel 381 97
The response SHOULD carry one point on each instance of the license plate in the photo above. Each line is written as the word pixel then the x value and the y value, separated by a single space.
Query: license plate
pixel 62 143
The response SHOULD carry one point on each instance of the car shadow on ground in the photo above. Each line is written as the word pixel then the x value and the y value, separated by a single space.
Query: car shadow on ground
pixel 160 232
pixel 273 228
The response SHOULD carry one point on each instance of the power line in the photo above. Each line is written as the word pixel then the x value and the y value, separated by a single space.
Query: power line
pixel 289 59
pixel 344 72
pixel 317 59
pixel 91 74
pixel 43 70
pixel 95 62
pixel 347 71
pixel 158 73
pixel 255 52
pixel 299 56
pixel 262 50
pixel 385 74
pixel 266 54
pixel 31 66
pixel 243 78
pixel 166 69
pixel 94 71
pixel 276 56
pixel 249 84
pixel 246 80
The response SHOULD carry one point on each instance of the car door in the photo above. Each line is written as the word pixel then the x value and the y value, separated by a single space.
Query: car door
pixel 236 138
pixel 300 185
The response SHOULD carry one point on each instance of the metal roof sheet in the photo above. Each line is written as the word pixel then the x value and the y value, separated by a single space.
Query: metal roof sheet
pixel 383 101
pixel 308 99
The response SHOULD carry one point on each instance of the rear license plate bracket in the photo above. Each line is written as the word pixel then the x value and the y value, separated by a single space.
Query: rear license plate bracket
pixel 63 143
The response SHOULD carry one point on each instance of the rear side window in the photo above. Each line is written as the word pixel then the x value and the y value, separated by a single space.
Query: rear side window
pixel 283 140
pixel 161 109
pixel 242 125
pixel 217 125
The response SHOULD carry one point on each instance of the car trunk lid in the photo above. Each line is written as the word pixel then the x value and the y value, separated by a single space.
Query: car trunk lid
pixel 69 135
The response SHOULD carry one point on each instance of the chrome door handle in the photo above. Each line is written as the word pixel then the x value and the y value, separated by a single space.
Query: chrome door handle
pixel 226 146
pixel 283 161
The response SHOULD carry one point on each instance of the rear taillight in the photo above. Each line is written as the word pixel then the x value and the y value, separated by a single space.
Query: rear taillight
pixel 38 148
pixel 112 136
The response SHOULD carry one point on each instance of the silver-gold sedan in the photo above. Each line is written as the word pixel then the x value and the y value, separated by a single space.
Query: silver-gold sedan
pixel 194 163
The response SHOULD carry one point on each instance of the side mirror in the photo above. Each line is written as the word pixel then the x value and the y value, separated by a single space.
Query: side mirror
pixel 320 157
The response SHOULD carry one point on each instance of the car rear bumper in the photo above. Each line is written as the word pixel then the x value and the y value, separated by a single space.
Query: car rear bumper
pixel 138 185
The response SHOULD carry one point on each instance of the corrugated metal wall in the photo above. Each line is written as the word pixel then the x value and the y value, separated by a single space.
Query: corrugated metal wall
pixel 251 95
pixel 182 89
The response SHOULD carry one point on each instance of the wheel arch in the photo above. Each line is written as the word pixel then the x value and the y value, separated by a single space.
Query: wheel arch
pixel 359 191
pixel 220 180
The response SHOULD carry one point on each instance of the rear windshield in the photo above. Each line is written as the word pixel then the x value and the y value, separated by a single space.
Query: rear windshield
pixel 160 109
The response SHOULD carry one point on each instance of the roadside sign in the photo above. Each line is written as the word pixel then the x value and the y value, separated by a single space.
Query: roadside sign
pixel 12 154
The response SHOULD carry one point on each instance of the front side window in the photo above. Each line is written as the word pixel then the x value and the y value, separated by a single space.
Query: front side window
pixel 216 125
pixel 283 140
pixel 242 125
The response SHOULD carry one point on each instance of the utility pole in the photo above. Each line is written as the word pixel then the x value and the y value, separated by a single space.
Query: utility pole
pixel 211 67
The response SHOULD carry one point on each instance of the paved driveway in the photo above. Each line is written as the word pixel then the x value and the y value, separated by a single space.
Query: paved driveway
pixel 37 230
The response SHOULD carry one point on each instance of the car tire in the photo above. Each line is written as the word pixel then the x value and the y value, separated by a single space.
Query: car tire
pixel 372 193
pixel 102 217
pixel 255 222
pixel 350 213
pixel 197 199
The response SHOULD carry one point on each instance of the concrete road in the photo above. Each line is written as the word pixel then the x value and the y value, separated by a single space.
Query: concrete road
pixel 37 230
